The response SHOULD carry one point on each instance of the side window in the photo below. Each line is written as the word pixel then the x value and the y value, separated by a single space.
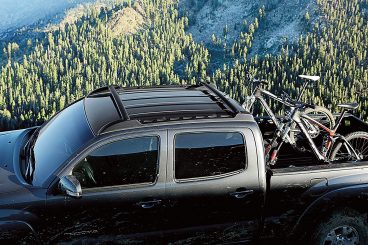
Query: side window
pixel 129 161
pixel 208 154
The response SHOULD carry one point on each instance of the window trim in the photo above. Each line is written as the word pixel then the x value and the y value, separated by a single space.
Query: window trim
pixel 130 186
pixel 213 177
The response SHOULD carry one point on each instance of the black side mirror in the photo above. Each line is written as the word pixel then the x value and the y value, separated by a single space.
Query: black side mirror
pixel 70 186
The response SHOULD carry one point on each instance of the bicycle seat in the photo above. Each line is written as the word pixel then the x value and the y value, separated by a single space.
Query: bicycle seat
pixel 312 78
pixel 350 106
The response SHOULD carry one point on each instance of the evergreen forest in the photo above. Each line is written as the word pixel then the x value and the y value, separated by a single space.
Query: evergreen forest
pixel 40 76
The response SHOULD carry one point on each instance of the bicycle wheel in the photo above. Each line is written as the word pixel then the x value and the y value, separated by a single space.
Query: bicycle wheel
pixel 359 142
pixel 321 114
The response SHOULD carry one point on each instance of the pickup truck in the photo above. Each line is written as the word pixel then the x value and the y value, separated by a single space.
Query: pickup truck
pixel 171 164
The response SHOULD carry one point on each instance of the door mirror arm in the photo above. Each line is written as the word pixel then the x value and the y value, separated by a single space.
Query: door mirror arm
pixel 70 186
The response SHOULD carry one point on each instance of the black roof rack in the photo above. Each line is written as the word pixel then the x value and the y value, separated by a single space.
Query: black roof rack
pixel 158 104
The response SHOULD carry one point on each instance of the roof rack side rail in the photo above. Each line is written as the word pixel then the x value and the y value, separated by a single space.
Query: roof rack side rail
pixel 221 96
pixel 119 104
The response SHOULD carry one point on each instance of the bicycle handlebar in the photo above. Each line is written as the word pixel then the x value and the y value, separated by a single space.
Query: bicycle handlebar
pixel 284 98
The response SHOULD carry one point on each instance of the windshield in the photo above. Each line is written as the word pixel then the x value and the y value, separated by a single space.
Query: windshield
pixel 58 139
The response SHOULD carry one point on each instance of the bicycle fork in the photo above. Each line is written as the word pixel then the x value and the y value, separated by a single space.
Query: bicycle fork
pixel 274 154
pixel 275 146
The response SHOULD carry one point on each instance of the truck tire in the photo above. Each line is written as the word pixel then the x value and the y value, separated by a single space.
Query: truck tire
pixel 344 227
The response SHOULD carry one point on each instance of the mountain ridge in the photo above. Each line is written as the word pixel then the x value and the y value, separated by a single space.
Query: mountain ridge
pixel 40 77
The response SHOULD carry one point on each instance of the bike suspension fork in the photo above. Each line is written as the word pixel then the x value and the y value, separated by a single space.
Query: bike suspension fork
pixel 275 153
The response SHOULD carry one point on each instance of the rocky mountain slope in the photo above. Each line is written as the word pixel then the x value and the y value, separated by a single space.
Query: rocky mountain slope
pixel 284 20
pixel 142 43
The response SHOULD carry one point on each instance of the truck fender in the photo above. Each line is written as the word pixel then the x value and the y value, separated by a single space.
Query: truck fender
pixel 9 228
pixel 353 197
pixel 14 221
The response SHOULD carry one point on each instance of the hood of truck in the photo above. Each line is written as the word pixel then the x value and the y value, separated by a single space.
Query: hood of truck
pixel 10 142
pixel 16 196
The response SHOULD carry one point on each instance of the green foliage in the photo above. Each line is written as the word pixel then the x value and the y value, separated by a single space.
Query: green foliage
pixel 73 61
pixel 336 50
pixel 45 76
pixel 307 16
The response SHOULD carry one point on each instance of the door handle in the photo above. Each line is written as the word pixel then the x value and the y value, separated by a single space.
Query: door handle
pixel 241 193
pixel 149 204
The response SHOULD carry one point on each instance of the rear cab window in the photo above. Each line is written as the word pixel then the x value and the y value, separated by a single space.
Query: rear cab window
pixel 208 154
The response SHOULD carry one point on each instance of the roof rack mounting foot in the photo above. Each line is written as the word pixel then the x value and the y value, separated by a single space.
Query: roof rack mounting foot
pixel 119 104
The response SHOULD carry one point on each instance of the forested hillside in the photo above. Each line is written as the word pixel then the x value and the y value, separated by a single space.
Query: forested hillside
pixel 40 77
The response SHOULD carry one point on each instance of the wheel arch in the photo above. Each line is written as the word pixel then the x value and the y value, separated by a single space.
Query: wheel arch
pixel 353 198
pixel 14 221
pixel 12 227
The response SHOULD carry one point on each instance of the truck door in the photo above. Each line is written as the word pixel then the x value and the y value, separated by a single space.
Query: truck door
pixel 123 193
pixel 213 188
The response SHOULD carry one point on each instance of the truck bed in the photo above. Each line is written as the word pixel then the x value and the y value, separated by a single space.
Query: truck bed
pixel 289 156
pixel 298 179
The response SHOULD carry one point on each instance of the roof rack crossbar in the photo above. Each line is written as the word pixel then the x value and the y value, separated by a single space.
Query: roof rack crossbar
pixel 221 96
pixel 119 104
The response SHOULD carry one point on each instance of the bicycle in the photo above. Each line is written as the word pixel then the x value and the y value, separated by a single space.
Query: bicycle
pixel 335 147
pixel 323 114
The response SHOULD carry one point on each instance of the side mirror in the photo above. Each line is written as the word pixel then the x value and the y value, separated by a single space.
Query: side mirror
pixel 70 186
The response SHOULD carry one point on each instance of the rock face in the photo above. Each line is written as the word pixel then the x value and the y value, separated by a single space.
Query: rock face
pixel 21 20
pixel 284 20
pixel 211 17
pixel 72 15
pixel 127 21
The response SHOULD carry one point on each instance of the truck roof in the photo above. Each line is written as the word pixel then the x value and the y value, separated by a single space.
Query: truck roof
pixel 138 106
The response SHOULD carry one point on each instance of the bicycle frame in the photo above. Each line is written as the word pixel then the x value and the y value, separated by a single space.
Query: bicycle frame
pixel 298 117
pixel 258 95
